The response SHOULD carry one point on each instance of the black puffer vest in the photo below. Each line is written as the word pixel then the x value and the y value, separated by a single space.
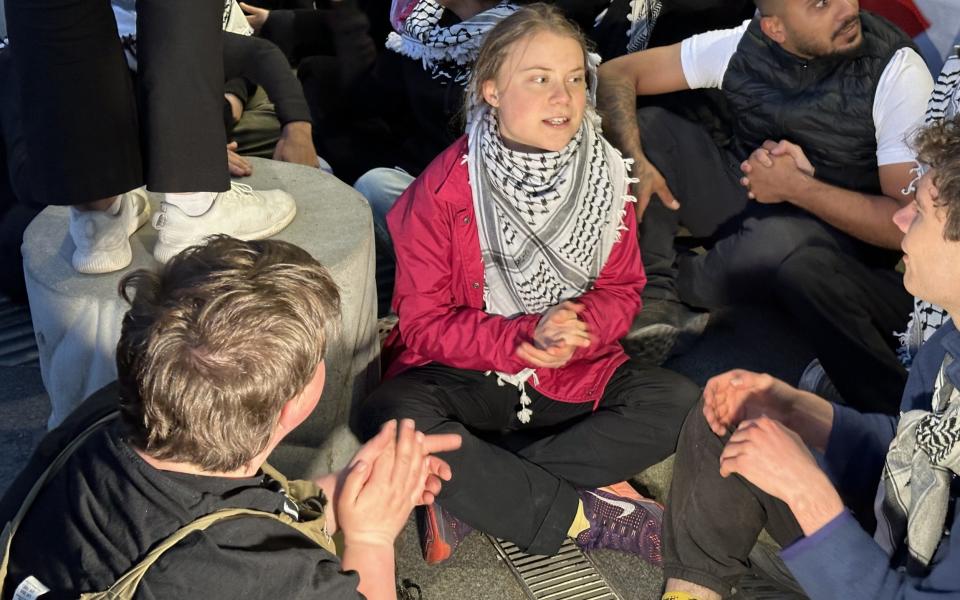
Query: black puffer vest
pixel 824 105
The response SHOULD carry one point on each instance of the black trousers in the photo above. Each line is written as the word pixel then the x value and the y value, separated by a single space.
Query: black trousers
pixel 516 481
pixel 81 115
pixel 843 292
pixel 712 523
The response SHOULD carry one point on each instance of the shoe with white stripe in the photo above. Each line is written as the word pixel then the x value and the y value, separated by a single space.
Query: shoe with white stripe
pixel 628 523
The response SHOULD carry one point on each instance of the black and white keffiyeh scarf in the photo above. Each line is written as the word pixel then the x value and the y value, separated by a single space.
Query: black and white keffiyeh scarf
pixel 547 221
pixel 914 492
pixel 642 17
pixel 447 52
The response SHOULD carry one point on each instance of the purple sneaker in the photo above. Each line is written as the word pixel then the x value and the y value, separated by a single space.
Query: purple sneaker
pixel 626 523
pixel 440 533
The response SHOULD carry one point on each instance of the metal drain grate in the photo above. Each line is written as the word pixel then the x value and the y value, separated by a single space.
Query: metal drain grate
pixel 568 575
pixel 18 345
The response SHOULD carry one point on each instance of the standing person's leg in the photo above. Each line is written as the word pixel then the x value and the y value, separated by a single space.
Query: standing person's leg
pixel 79 124
pixel 711 522
pixel 849 312
pixel 180 64
pixel 180 52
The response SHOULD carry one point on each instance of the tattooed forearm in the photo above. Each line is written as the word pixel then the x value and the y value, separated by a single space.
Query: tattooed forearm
pixel 617 103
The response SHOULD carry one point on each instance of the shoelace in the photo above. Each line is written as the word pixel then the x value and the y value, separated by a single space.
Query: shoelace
pixel 243 188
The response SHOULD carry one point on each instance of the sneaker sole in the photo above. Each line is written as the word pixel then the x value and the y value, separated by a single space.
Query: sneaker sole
pixel 688 335
pixel 652 344
pixel 163 252
pixel 98 263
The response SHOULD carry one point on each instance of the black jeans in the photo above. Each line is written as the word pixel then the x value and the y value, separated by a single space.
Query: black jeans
pixel 516 481
pixel 712 523
pixel 81 117
pixel 841 291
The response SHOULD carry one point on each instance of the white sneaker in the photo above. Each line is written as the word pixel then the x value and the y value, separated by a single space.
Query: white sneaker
pixel 239 212
pixel 102 239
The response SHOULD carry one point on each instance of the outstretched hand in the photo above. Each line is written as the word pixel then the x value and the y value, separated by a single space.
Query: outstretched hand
pixel 650 183
pixel 389 475
pixel 735 396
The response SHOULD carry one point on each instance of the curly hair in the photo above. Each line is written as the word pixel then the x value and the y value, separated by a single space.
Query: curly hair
pixel 215 343
pixel 938 145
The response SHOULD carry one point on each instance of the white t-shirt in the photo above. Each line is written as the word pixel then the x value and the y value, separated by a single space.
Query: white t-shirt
pixel 898 105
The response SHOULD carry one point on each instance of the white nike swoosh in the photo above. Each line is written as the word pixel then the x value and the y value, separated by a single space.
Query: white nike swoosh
pixel 627 507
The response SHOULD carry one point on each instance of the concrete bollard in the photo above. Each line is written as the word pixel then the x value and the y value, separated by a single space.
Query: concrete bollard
pixel 77 317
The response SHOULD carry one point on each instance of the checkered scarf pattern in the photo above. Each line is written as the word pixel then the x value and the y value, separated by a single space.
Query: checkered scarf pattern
pixel 447 52
pixel 924 456
pixel 642 17
pixel 547 220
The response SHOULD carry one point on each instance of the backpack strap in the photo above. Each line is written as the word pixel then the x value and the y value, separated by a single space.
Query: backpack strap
pixel 126 586
pixel 309 497
pixel 311 503
pixel 10 528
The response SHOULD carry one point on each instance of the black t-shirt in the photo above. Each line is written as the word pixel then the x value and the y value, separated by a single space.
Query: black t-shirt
pixel 105 509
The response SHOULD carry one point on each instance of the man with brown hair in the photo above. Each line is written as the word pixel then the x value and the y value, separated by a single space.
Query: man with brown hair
pixel 220 357
pixel 744 464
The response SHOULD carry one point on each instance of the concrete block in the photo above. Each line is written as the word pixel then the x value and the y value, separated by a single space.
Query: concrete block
pixel 77 317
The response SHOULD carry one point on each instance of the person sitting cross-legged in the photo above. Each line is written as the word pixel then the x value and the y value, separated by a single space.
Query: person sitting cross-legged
pixel 517 274
pixel 744 461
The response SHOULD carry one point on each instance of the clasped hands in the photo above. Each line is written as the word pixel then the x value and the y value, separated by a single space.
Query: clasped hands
pixel 773 171
pixel 557 336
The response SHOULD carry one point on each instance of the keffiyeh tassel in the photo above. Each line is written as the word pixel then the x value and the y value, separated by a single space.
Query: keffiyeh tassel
pixel 520 381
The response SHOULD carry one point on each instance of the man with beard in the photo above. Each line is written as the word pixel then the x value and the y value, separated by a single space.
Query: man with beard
pixel 796 205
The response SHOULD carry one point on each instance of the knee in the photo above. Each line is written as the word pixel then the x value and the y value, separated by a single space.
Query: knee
pixel 398 399
pixel 381 187
pixel 378 408
pixel 686 395
pixel 696 440
pixel 806 270
pixel 763 243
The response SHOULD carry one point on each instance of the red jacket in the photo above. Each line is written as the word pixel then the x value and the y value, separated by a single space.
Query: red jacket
pixel 439 292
